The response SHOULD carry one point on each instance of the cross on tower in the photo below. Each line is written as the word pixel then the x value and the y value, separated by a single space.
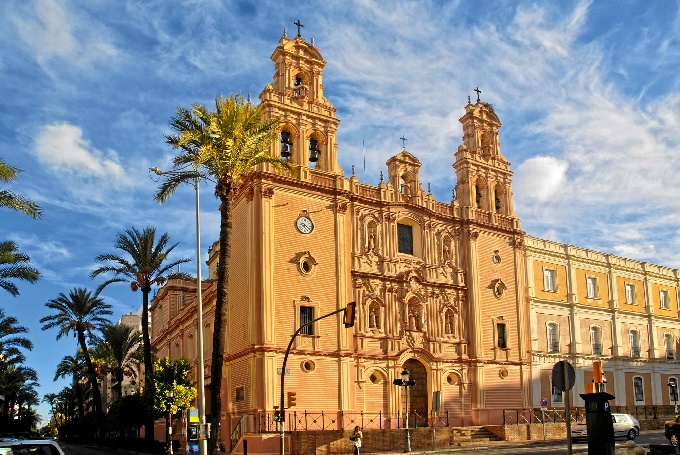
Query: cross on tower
pixel 298 26
pixel 403 142
pixel 478 92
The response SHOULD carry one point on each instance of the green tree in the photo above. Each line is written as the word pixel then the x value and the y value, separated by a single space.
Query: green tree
pixel 80 312
pixel 144 264
pixel 16 381
pixel 74 367
pixel 174 390
pixel 11 342
pixel 14 201
pixel 121 348
pixel 223 145
pixel 13 266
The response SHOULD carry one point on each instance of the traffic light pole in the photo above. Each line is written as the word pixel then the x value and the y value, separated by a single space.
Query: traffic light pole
pixel 282 412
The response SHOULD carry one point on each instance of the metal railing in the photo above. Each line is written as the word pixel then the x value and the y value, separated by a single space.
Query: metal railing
pixel 635 351
pixel 554 346
pixel 597 348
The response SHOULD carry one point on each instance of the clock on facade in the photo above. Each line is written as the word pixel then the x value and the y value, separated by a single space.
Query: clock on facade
pixel 304 225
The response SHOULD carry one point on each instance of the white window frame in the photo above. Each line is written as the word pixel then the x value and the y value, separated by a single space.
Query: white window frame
pixel 592 292
pixel 596 340
pixel 553 341
pixel 664 302
pixel 669 343
pixel 641 388
pixel 549 279
pixel 555 394
pixel 634 339
pixel 670 391
pixel 630 293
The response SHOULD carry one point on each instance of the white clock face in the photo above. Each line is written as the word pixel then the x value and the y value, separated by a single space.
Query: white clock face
pixel 304 225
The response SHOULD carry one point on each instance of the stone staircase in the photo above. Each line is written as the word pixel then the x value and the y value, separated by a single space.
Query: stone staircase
pixel 472 436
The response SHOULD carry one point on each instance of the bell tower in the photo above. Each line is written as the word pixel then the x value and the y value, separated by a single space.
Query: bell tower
pixel 484 179
pixel 308 121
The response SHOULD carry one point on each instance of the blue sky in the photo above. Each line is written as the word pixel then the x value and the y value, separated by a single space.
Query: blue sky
pixel 588 94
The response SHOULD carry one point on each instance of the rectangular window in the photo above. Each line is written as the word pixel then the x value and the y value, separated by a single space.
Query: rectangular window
pixel 634 344
pixel 670 346
pixel 306 315
pixel 591 287
pixel 405 237
pixel 663 300
pixel 556 394
pixel 595 340
pixel 240 394
pixel 630 294
pixel 502 336
pixel 638 389
pixel 553 342
pixel 550 280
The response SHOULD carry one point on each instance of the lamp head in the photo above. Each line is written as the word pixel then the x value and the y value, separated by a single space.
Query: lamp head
pixel 405 376
pixel 156 170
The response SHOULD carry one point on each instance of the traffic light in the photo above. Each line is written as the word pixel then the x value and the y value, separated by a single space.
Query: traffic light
pixel 279 416
pixel 291 399
pixel 350 314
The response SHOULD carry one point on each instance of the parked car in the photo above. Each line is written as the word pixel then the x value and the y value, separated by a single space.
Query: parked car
pixel 672 430
pixel 624 425
pixel 30 447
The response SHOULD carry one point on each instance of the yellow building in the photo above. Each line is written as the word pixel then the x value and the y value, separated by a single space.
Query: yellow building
pixel 588 306
pixel 439 286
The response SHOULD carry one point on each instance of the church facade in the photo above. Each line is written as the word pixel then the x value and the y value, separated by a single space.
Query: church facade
pixel 445 290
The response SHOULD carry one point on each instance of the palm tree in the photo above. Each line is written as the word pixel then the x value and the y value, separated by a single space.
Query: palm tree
pixel 143 265
pixel 74 367
pixel 15 378
pixel 121 348
pixel 80 312
pixel 13 265
pixel 14 201
pixel 51 398
pixel 223 145
pixel 10 342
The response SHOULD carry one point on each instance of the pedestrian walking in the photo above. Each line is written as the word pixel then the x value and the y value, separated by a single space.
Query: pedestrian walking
pixel 356 439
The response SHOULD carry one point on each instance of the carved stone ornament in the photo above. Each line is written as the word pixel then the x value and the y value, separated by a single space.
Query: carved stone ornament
pixel 518 243
pixel 341 206
pixel 499 288
pixel 250 194
pixel 268 192
pixel 473 234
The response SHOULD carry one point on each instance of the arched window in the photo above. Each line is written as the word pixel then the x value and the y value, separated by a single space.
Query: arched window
pixel 191 347
pixel 178 351
pixel 673 390
pixel 478 196
pixel 634 343
pixel 638 389
pixel 553 339
pixel 669 341
pixel 556 394
pixel 286 145
pixel 596 340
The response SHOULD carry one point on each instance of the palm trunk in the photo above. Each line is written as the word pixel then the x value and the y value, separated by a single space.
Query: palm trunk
pixel 96 395
pixel 149 386
pixel 219 327
pixel 119 380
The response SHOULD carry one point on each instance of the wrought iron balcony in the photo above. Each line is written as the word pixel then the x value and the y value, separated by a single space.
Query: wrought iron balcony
pixel 635 351
pixel 554 346
pixel 597 348
pixel 670 355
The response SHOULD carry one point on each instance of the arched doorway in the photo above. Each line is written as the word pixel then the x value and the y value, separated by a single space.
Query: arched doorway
pixel 418 409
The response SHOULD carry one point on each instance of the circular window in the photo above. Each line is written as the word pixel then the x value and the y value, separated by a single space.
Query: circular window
pixel 452 379
pixel 375 378
pixel 496 258
pixel 503 373
pixel 306 265
pixel 308 366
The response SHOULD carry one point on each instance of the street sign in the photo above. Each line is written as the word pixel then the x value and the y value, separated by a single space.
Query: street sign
pixel 560 370
pixel 278 371
pixel 544 403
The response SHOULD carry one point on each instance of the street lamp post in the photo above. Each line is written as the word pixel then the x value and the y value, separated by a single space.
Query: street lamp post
pixel 170 395
pixel 673 385
pixel 202 431
pixel 406 382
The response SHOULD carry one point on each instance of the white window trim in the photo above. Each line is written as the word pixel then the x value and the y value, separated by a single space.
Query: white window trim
pixel 630 341
pixel 666 337
pixel 633 287
pixel 496 323
pixel 642 383
pixel 664 304
pixel 557 335
pixel 596 291
pixel 598 329
pixel 554 279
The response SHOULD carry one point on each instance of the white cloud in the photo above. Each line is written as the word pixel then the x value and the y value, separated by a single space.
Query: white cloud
pixel 61 146
pixel 540 178
pixel 50 32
